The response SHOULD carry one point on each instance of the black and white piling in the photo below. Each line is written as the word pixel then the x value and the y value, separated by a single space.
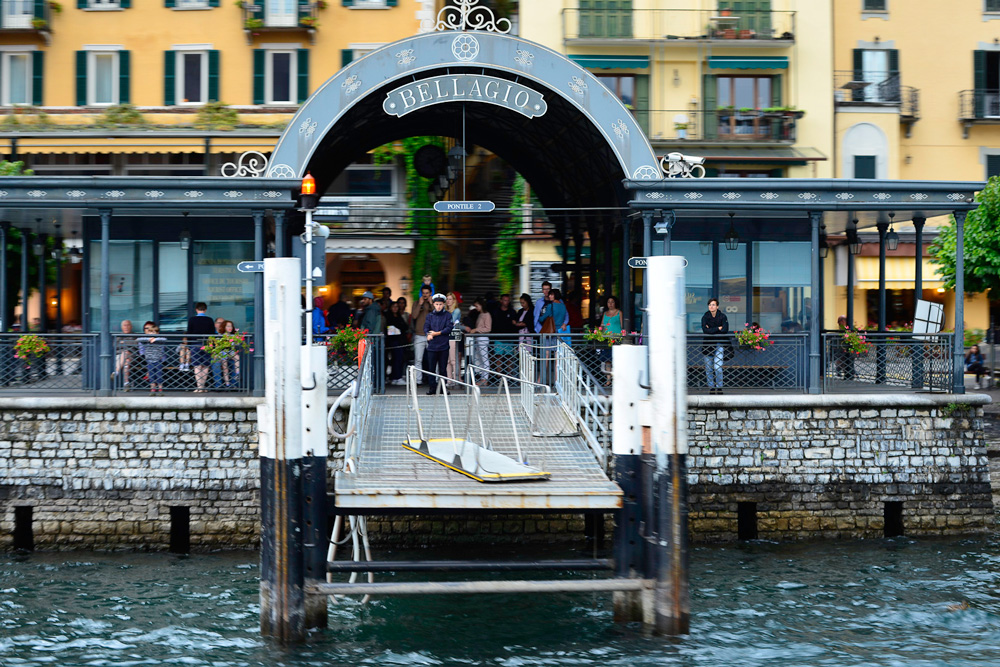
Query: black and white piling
pixel 281 428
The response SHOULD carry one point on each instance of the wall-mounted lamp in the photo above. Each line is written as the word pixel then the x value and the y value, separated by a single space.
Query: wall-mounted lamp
pixel 677 78
pixel 404 284
pixel 824 247
pixel 732 238
pixel 75 254
pixel 185 239
pixel 892 238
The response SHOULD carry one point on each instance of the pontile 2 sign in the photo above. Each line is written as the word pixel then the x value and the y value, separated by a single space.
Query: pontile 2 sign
pixel 465 88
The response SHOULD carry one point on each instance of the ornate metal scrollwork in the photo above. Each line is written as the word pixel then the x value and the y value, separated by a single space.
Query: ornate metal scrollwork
pixel 469 15
pixel 251 163
pixel 678 165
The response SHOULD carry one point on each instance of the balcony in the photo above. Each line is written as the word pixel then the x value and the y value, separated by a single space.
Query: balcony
pixel 978 107
pixel 613 26
pixel 721 125
pixel 26 16
pixel 877 89
pixel 258 20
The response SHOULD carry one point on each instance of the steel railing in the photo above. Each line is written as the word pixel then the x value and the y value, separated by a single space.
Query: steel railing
pixel 170 362
pixel 343 369
pixel 677 24
pixel 781 366
pixel 585 399
pixel 68 363
pixel 867 87
pixel 979 104
pixel 719 124
pixel 889 362
pixel 255 17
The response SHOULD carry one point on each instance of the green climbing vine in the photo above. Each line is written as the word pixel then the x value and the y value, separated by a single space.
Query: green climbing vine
pixel 426 248
pixel 507 247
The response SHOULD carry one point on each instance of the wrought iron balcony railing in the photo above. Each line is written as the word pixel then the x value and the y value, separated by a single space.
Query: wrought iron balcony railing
pixel 981 104
pixel 256 17
pixel 866 87
pixel 678 24
pixel 767 125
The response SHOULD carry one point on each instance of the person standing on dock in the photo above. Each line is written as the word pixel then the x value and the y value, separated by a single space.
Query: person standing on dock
pixel 715 326
pixel 437 328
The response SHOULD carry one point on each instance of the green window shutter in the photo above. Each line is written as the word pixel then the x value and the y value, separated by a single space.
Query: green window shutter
pixel 213 75
pixel 213 3
pixel 993 5
pixel 776 96
pixel 390 3
pixel 302 72
pixel 259 56
pixel 710 126
pixel 169 83
pixel 641 111
pixel 81 78
pixel 893 61
pixel 346 56
pixel 711 172
pixel 874 5
pixel 992 166
pixel 305 8
pixel 979 81
pixel 864 166
pixel 858 95
pixel 81 4
pixel 347 3
pixel 125 4
pixel 168 3
pixel 39 9
pixel 778 172
pixel 124 77
pixel 37 69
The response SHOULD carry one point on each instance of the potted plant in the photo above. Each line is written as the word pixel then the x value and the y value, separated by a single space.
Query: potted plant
pixel 253 24
pixel 29 348
pixel 729 33
pixel 681 129
pixel 754 338
pixel 309 21
pixel 55 7
pixel 39 24
pixel 343 345
pixel 746 34
pixel 856 343
pixel 226 346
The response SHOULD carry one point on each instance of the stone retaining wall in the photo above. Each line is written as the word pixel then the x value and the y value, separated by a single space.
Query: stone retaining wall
pixel 824 466
pixel 104 473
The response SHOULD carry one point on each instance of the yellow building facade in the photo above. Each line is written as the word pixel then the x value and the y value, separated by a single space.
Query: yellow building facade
pixel 909 110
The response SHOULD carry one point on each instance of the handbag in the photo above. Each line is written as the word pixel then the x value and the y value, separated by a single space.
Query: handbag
pixel 548 326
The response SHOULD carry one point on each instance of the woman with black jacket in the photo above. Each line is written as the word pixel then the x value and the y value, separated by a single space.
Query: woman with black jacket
pixel 715 326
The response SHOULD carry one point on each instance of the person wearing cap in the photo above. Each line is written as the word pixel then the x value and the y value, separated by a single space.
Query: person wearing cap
pixel 371 314
pixel 437 328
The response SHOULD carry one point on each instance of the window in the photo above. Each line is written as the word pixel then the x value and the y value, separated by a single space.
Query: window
pixel 992 166
pixel 280 76
pixel 369 4
pixel 879 68
pixel 191 76
pixel 605 18
pixel 633 91
pixel 364 181
pixel 16 78
pixel 864 166
pixel 740 100
pixel 18 13
pixel 875 5
pixel 191 4
pixel 102 77
pixel 986 76
pixel 106 4
pixel 781 286
pixel 991 6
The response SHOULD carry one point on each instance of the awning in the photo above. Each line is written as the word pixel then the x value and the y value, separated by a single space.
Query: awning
pixel 369 246
pixel 747 62
pixel 613 62
pixel 762 154
pixel 900 273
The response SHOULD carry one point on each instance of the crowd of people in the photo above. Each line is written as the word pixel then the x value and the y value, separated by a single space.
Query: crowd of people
pixel 419 335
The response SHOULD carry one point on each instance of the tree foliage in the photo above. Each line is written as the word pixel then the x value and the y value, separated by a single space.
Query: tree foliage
pixel 982 244
pixel 507 247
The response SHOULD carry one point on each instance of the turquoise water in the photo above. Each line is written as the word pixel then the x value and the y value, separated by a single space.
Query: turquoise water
pixel 893 602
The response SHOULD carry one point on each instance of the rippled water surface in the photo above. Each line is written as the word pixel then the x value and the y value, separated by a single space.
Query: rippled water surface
pixel 899 602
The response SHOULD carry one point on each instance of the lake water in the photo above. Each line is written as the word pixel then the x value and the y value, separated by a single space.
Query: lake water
pixel 892 602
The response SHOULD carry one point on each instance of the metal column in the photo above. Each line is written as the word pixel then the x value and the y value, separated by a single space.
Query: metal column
pixel 916 356
pixel 43 319
pixel 280 240
pixel 647 250
pixel 850 284
pixel 4 305
pixel 258 305
pixel 59 278
pixel 105 366
pixel 814 360
pixel 959 386
pixel 628 301
pixel 24 280
pixel 880 348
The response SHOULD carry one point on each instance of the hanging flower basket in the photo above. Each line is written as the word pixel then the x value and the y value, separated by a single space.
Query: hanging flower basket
pixel 226 346
pixel 856 343
pixel 754 338
pixel 30 348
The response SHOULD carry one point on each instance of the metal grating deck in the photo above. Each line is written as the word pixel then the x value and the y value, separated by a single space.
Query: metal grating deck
pixel 390 477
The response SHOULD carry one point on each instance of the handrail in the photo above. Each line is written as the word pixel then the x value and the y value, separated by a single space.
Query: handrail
pixel 357 420
pixel 333 409
pixel 580 395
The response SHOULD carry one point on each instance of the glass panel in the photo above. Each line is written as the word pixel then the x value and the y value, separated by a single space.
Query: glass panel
pixel 228 293
pixel 18 13
pixel 626 91
pixel 173 287
pixel 104 71
pixel 698 276
pixel 733 285
pixel 18 67
pixel 281 77
pixel 782 291
pixel 743 93
pixel 724 98
pixel 131 283
pixel 763 92
pixel 191 77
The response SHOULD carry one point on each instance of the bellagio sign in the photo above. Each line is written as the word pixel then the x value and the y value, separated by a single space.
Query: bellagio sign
pixel 465 88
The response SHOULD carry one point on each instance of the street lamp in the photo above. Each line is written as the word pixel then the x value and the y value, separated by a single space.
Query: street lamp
pixel 824 247
pixel 854 241
pixel 185 239
pixel 892 238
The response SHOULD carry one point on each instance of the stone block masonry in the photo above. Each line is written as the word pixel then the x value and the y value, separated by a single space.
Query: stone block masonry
pixel 103 473
pixel 825 466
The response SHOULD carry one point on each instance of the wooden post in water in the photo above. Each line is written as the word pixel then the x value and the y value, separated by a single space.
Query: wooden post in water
pixel 668 402
pixel 315 445
pixel 280 426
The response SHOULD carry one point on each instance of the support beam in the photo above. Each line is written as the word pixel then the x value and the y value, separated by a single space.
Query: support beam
pixel 815 219
pixel 258 305
pixel 850 286
pixel 882 228
pixel 106 366
pixel 4 303
pixel 43 319
pixel 959 353
pixel 59 283
pixel 25 258
pixel 918 268
pixel 481 587
pixel 280 237
pixel 647 250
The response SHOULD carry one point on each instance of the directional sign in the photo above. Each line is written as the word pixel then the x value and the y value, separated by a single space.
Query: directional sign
pixel 637 262
pixel 464 206
pixel 250 267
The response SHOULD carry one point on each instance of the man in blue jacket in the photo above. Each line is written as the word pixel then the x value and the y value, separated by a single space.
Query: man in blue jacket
pixel 437 328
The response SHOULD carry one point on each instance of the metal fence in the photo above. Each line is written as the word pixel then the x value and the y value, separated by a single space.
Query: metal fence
pixel 66 364
pixel 781 366
pixel 602 23
pixel 889 362
pixel 161 362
